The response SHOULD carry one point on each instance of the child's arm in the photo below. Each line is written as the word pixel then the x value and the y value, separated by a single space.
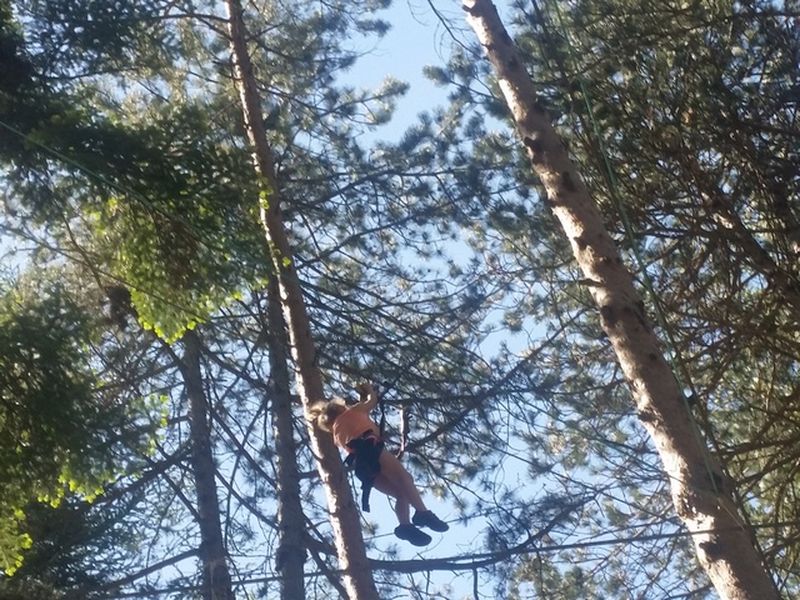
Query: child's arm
pixel 369 397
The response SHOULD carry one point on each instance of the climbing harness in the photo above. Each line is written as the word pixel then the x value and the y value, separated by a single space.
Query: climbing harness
pixel 365 451
pixel 365 455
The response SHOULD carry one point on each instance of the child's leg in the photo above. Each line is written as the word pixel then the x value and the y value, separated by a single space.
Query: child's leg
pixel 395 481
pixel 395 476
pixel 387 486
pixel 407 493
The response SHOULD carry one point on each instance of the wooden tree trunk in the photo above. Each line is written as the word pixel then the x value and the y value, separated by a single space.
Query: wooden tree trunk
pixel 700 493
pixel 216 577
pixel 291 554
pixel 344 515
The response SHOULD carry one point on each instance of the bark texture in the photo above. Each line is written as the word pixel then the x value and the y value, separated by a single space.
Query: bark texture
pixel 291 554
pixel 700 492
pixel 344 515
pixel 216 577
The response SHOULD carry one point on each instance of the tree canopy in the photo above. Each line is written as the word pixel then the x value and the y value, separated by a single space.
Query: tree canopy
pixel 152 443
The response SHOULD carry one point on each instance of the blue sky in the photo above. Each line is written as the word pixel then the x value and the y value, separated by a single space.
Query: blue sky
pixel 417 39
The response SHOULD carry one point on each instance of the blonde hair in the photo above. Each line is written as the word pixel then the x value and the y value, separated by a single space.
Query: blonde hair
pixel 325 413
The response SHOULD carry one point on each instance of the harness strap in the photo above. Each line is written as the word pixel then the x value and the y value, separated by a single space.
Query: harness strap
pixel 366 490
pixel 382 423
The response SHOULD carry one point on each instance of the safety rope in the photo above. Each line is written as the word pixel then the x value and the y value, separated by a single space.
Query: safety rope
pixel 681 373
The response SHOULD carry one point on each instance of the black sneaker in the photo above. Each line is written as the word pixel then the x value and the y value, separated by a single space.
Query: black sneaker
pixel 411 534
pixel 427 519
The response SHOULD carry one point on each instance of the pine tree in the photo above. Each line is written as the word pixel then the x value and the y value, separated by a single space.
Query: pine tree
pixel 701 500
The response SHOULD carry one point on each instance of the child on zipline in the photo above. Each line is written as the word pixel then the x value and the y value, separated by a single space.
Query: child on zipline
pixel 355 432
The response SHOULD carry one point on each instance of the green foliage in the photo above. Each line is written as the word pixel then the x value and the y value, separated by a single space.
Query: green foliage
pixel 85 37
pixel 73 549
pixel 545 580
pixel 162 190
pixel 15 589
pixel 16 70
pixel 46 392
pixel 58 434
pixel 189 242
pixel 163 195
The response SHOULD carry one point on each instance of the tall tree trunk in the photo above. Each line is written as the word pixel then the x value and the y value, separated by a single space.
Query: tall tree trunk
pixel 291 554
pixel 357 575
pixel 700 493
pixel 216 577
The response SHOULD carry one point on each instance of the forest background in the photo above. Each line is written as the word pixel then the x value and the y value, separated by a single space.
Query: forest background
pixel 152 441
